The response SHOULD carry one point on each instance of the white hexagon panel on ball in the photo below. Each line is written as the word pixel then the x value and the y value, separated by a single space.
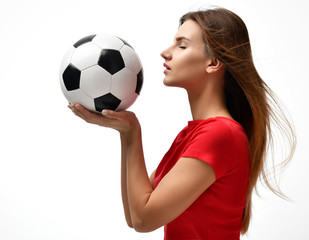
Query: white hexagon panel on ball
pixel 95 81
pixel 125 103
pixel 106 41
pixel 131 59
pixel 86 56
pixel 66 60
pixel 123 83
pixel 79 97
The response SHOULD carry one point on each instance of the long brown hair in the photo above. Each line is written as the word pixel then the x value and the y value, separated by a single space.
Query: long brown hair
pixel 248 98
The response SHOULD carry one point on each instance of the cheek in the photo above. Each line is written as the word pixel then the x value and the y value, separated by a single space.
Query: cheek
pixel 188 68
pixel 192 68
pixel 185 76
pixel 192 60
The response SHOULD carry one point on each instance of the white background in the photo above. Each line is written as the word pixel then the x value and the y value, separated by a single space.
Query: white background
pixel 60 177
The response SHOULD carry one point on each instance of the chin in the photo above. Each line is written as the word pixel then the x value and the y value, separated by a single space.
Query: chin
pixel 169 82
pixel 166 83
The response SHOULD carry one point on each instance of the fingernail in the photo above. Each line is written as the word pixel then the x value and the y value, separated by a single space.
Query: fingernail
pixel 104 112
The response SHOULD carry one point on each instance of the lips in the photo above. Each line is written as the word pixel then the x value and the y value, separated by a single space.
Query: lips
pixel 166 67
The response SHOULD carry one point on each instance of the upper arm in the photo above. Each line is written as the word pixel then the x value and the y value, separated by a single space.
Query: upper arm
pixel 152 177
pixel 180 187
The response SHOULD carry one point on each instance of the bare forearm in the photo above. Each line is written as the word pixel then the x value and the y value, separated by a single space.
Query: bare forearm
pixel 135 184
pixel 124 192
pixel 138 184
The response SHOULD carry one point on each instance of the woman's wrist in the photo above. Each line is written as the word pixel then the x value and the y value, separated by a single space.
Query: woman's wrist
pixel 132 133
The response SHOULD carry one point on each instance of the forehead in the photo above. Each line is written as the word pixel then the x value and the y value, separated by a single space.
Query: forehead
pixel 191 30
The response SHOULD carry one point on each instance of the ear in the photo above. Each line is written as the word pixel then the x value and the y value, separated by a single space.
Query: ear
pixel 213 65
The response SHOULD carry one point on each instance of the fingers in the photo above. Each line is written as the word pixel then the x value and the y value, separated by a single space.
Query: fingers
pixel 111 114
pixel 83 113
pixel 121 121
pixel 106 120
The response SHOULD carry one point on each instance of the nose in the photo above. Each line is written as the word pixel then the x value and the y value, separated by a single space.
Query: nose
pixel 166 54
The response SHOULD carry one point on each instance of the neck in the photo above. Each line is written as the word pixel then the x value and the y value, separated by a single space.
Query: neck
pixel 208 102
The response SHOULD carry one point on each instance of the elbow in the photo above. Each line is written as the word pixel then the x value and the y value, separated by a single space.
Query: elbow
pixel 142 229
pixel 129 224
pixel 138 226
pixel 129 221
pixel 143 226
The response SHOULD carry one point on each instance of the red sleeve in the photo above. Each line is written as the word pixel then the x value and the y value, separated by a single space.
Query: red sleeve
pixel 213 143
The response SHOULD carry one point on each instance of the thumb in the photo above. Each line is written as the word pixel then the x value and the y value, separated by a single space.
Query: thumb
pixel 109 113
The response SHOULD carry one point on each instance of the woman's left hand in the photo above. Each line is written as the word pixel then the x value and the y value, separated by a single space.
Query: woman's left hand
pixel 123 121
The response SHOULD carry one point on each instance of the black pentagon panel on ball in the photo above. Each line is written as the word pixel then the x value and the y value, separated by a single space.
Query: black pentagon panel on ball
pixel 84 40
pixel 111 61
pixel 140 80
pixel 107 101
pixel 71 77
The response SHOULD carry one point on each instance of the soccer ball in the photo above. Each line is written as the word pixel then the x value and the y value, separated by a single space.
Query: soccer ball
pixel 101 72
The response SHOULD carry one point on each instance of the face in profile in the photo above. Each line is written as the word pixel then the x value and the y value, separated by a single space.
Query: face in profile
pixel 186 59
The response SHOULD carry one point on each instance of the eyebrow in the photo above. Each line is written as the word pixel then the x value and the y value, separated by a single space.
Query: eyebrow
pixel 179 39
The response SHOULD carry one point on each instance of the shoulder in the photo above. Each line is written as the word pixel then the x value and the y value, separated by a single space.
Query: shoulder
pixel 219 129
pixel 219 141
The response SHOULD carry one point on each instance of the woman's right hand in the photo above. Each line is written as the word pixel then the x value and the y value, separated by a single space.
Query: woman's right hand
pixel 123 121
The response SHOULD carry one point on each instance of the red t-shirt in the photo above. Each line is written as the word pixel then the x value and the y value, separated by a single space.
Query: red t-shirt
pixel 217 213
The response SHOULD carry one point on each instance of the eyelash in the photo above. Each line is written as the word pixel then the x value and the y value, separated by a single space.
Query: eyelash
pixel 182 47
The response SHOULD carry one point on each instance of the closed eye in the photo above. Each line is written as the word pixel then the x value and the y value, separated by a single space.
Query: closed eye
pixel 181 41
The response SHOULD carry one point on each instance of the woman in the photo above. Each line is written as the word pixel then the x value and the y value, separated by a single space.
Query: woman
pixel 203 186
